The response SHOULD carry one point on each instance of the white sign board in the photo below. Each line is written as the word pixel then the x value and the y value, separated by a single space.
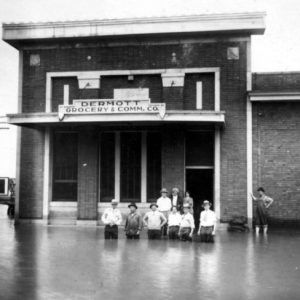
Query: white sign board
pixel 112 106
pixel 134 94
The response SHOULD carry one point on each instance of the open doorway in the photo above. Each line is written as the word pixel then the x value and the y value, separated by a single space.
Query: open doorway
pixel 199 182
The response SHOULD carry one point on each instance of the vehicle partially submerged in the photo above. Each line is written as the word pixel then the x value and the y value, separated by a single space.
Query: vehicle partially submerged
pixel 7 194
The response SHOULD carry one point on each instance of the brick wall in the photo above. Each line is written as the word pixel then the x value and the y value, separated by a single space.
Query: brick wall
pixel 87 175
pixel 172 159
pixel 276 157
pixel 31 174
pixel 271 82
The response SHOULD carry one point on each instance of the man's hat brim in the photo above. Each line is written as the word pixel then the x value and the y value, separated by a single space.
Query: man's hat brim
pixel 132 204
pixel 153 204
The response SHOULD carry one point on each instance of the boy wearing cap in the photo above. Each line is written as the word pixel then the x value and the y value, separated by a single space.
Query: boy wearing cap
pixel 111 218
pixel 164 206
pixel 187 224
pixel 207 226
pixel 174 223
pixel 133 223
pixel 154 220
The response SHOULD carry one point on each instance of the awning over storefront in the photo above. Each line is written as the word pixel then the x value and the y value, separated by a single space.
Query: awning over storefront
pixel 182 116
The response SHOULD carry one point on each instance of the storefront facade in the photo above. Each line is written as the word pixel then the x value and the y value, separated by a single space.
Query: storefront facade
pixel 106 114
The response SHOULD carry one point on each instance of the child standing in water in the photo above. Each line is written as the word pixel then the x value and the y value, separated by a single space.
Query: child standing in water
pixel 174 221
pixel 263 203
pixel 187 224
pixel 207 226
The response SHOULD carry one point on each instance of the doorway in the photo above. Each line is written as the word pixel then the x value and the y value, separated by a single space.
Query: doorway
pixel 199 182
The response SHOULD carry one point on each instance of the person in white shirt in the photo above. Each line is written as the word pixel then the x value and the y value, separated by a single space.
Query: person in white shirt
pixel 164 206
pixel 154 220
pixel 208 221
pixel 111 218
pixel 187 224
pixel 174 220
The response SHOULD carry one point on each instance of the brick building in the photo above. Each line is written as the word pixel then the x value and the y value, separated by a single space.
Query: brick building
pixel 120 108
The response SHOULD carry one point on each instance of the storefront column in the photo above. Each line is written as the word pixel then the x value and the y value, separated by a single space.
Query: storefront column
pixel 87 176
pixel 117 164
pixel 217 172
pixel 47 175
pixel 144 168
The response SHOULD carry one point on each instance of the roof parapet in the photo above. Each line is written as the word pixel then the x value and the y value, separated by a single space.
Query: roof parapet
pixel 251 22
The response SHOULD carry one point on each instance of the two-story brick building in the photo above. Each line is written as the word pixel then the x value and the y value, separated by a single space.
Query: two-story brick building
pixel 120 108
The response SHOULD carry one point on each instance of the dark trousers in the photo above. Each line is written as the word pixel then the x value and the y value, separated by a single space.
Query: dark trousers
pixel 185 234
pixel 206 234
pixel 111 232
pixel 173 232
pixel 154 234
pixel 132 236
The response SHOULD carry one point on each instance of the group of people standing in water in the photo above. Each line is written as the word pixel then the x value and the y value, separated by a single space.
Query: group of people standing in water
pixel 173 217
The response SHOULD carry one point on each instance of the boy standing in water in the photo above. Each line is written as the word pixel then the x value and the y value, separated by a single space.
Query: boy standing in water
pixel 174 223
pixel 154 220
pixel 187 224
pixel 133 224
pixel 207 227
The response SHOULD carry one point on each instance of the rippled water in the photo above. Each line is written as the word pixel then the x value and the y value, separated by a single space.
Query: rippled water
pixel 39 262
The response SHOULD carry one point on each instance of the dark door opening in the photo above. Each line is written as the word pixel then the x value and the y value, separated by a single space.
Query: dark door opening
pixel 199 182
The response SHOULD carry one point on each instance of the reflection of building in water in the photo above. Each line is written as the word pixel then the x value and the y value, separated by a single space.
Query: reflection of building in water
pixel 120 108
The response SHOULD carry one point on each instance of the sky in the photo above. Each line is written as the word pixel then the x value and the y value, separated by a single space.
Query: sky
pixel 277 50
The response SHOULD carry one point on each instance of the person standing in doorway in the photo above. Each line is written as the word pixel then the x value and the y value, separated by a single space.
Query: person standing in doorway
pixel 134 223
pixel 187 224
pixel 176 200
pixel 174 223
pixel 154 220
pixel 189 200
pixel 111 218
pixel 164 206
pixel 263 203
pixel 208 222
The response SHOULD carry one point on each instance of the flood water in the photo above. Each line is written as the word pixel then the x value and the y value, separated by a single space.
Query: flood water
pixel 40 262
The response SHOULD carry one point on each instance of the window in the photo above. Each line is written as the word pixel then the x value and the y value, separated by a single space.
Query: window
pixel 200 148
pixel 130 167
pixel 107 166
pixel 65 150
pixel 153 165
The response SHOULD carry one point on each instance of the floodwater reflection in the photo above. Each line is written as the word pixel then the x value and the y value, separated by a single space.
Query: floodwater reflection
pixel 39 262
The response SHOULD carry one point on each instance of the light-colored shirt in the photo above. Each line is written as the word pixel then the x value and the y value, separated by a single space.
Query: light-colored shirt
pixel 164 204
pixel 112 216
pixel 207 218
pixel 154 219
pixel 174 219
pixel 187 221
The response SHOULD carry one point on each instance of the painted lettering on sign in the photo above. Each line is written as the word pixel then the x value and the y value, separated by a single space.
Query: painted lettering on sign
pixel 111 106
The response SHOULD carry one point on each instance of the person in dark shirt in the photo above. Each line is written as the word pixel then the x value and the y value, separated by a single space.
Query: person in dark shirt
pixel 134 223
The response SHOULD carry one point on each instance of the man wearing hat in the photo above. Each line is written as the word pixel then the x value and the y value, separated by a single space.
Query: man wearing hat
pixel 187 224
pixel 133 223
pixel 164 206
pixel 155 221
pixel 111 218
pixel 207 225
